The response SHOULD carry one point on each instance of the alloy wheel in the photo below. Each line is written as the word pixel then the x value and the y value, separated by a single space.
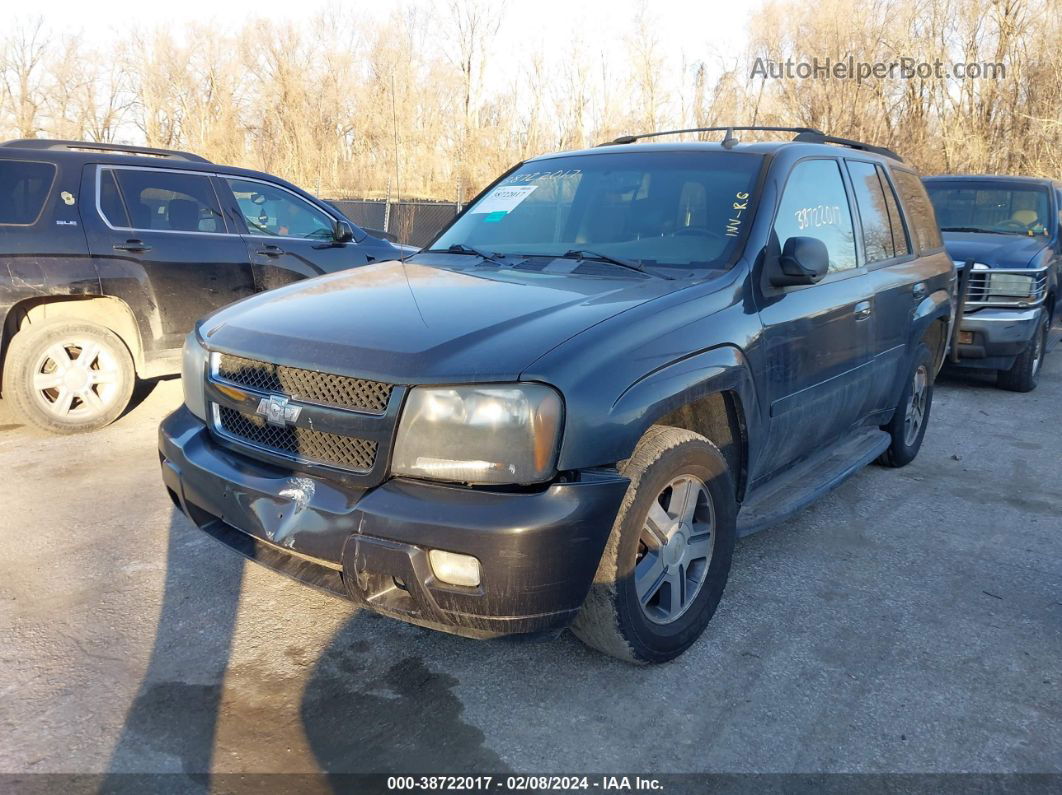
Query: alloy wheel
pixel 916 405
pixel 675 549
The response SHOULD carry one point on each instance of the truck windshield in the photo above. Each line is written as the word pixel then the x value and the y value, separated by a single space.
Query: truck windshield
pixel 989 206
pixel 646 209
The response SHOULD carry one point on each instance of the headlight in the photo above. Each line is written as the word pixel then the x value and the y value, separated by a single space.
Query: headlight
pixel 497 434
pixel 1006 286
pixel 1010 285
pixel 193 371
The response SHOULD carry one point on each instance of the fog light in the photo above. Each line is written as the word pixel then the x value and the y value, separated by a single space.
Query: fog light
pixel 454 568
pixel 966 338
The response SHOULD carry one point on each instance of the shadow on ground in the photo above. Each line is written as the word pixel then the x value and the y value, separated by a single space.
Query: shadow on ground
pixel 362 708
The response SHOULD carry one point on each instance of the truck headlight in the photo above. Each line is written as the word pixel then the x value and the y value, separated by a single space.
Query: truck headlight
pixel 1011 285
pixel 490 434
pixel 1006 286
pixel 193 371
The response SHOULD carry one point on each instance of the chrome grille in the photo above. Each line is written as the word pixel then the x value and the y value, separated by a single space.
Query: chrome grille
pixel 1005 287
pixel 326 389
pixel 304 444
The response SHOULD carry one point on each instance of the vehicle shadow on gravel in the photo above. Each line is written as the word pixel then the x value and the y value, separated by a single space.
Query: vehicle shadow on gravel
pixel 172 723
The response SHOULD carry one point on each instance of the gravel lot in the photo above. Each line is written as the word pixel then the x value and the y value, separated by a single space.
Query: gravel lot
pixel 911 621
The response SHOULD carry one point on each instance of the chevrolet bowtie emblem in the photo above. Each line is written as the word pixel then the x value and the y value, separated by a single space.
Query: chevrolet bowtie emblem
pixel 277 411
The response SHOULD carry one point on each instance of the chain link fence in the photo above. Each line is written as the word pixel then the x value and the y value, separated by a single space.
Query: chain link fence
pixel 412 222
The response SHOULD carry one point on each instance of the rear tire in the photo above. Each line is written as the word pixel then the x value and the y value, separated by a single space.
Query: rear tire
pixel 668 557
pixel 68 377
pixel 1024 374
pixel 908 424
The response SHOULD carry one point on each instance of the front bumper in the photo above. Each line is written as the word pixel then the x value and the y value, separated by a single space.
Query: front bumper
pixel 538 551
pixel 997 336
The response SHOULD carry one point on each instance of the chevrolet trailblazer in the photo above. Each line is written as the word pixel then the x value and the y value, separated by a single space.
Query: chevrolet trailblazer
pixel 565 410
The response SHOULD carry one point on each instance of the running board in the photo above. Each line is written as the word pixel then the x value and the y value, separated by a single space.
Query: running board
pixel 809 480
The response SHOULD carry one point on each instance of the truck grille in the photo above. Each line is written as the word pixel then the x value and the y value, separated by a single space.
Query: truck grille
pixel 1012 288
pixel 304 444
pixel 326 389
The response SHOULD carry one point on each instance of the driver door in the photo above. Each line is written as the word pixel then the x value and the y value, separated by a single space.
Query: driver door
pixel 287 237
pixel 817 337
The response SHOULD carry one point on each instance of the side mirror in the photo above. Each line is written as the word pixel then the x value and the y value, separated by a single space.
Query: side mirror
pixel 804 260
pixel 342 232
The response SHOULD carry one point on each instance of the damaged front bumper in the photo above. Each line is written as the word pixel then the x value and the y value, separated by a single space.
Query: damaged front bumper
pixel 538 551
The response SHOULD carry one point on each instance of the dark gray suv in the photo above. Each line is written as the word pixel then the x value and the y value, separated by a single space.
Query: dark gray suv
pixel 564 412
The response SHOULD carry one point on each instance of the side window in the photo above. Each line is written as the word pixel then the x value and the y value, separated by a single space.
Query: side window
pixel 273 211
pixel 160 200
pixel 24 188
pixel 870 199
pixel 815 204
pixel 919 211
pixel 899 234
pixel 111 204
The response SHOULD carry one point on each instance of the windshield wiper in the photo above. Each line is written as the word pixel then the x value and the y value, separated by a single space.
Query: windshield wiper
pixel 582 253
pixel 461 248
pixel 967 229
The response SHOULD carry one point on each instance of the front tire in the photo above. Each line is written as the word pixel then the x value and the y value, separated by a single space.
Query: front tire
pixel 908 424
pixel 68 377
pixel 1024 374
pixel 668 557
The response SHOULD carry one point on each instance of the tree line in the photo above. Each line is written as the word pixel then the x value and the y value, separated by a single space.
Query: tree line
pixel 408 103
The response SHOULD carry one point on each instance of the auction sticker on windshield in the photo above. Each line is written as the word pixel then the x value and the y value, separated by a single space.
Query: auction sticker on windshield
pixel 503 200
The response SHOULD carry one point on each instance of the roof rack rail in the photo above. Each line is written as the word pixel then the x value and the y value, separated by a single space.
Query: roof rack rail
pixel 103 148
pixel 803 135
pixel 821 138
pixel 630 139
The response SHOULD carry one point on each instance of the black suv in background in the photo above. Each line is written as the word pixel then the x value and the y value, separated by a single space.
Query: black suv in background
pixel 610 365
pixel 1005 236
pixel 109 254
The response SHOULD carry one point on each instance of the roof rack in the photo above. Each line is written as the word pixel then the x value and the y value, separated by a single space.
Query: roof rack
pixel 803 135
pixel 822 138
pixel 103 148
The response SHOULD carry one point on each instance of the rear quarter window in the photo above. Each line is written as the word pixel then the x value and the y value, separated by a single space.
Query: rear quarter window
pixel 24 189
pixel 919 210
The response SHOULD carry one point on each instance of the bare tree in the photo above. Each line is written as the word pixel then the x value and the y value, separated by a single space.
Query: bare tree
pixel 24 52
pixel 365 107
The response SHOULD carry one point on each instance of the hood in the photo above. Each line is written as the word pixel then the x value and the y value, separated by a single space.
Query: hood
pixel 995 251
pixel 406 322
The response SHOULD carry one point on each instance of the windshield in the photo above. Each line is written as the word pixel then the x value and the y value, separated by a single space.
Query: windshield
pixel 653 209
pixel 989 206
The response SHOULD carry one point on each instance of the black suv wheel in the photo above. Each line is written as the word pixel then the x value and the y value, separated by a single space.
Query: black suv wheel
pixel 68 377
pixel 667 560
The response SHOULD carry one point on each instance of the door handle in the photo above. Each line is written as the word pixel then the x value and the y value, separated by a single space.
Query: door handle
pixel 132 245
pixel 919 291
pixel 270 251
pixel 862 310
